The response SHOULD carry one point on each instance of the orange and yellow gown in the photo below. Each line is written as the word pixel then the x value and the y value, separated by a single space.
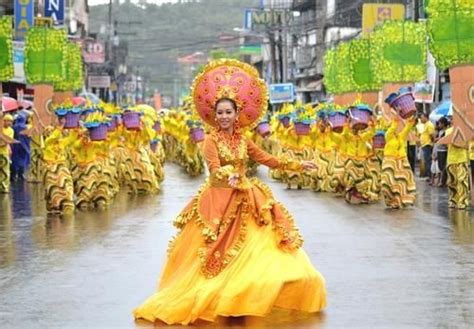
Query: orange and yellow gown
pixel 238 251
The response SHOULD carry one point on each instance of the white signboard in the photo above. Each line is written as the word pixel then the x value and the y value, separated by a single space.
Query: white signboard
pixel 282 93
pixel 19 62
pixel 99 81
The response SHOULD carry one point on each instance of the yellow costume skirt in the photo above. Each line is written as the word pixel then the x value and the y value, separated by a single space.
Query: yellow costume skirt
pixel 372 174
pixel 300 179
pixel 398 182
pixel 59 189
pixel 145 180
pixel 35 171
pixel 458 185
pixel 337 178
pixel 322 176
pixel 4 174
pixel 244 263
pixel 157 166
pixel 192 158
pixel 125 172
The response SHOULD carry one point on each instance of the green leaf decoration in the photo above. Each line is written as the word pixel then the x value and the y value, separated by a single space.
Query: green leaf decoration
pixel 361 67
pixel 451 32
pixel 330 70
pixel 45 54
pixel 398 52
pixel 6 48
pixel 74 77
pixel 337 70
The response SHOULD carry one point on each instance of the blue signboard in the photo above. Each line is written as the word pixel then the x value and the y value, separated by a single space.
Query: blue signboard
pixel 248 19
pixel 55 10
pixel 24 14
pixel 282 93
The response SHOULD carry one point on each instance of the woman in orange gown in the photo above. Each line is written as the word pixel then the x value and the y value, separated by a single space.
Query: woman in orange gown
pixel 238 251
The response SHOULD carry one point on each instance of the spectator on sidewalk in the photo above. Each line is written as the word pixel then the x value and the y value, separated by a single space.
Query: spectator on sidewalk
pixel 442 150
pixel 426 143
pixel 411 148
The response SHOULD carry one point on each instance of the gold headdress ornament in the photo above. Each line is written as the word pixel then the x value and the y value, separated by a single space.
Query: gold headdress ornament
pixel 232 79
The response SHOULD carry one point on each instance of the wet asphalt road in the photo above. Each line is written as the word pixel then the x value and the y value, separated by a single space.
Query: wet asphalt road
pixel 384 269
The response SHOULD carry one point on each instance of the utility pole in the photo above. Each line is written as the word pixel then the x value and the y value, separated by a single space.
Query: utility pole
pixel 321 15
pixel 271 37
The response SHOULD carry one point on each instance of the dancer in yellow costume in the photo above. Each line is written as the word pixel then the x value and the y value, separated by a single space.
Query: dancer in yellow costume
pixel 398 181
pixel 6 138
pixel 234 236
pixel 357 182
pixel 458 174
pixel 297 148
pixel 340 156
pixel 57 179
pixel 91 184
pixel 324 146
pixel 276 138
pixel 137 144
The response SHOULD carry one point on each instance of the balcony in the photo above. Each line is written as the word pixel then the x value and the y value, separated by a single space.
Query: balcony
pixel 304 57
pixel 303 5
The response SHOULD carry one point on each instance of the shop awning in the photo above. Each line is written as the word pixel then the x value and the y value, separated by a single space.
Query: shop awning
pixel 314 85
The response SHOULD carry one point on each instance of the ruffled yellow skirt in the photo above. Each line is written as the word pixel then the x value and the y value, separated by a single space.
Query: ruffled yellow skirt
pixel 261 276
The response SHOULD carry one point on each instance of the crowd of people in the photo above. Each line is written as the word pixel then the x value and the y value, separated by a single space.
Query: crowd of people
pixel 363 161
pixel 85 155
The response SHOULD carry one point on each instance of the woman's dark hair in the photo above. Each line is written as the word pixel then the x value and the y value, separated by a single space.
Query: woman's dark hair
pixel 444 121
pixel 226 99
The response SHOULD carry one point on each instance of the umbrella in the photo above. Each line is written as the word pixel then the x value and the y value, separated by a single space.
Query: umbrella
pixel 25 104
pixel 78 101
pixel 442 110
pixel 91 97
pixel 9 104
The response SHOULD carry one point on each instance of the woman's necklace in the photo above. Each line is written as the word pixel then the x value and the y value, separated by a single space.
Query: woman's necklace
pixel 232 141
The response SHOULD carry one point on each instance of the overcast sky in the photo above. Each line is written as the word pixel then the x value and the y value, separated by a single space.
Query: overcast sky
pixel 99 2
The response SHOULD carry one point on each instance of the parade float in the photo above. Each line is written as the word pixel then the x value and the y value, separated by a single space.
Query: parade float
pixel 398 55
pixel 349 74
pixel 6 50
pixel 451 41
pixel 45 65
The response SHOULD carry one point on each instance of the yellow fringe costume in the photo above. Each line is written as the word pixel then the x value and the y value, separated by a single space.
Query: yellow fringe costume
pixel 340 158
pixel 357 182
pixel 233 245
pixel 143 179
pixel 278 131
pixel 89 171
pixel 324 157
pixel 398 182
pixel 458 175
pixel 297 148
pixel 5 161
pixel 35 172
pixel 57 179
pixel 157 159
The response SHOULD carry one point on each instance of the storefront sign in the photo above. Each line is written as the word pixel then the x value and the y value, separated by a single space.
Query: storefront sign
pixel 259 19
pixel 374 14
pixel 43 21
pixel 282 93
pixel 24 13
pixel 55 10
pixel 93 52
